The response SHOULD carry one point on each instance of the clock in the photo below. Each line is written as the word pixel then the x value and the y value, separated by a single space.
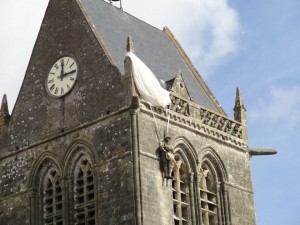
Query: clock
pixel 62 77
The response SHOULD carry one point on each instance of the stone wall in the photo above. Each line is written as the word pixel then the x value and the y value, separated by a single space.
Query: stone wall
pixel 100 88
pixel 157 192
pixel 108 143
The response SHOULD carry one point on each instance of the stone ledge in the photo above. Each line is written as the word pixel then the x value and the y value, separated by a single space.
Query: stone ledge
pixel 197 124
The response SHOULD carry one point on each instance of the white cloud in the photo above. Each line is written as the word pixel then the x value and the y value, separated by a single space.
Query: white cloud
pixel 282 107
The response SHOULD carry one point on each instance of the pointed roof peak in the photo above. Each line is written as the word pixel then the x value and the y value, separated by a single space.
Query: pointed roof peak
pixel 238 97
pixel 4 107
pixel 240 113
pixel 178 86
pixel 4 114
pixel 179 74
pixel 129 46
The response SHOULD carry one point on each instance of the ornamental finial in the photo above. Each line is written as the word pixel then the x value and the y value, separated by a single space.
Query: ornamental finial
pixel 240 113
pixel 129 47
pixel 4 113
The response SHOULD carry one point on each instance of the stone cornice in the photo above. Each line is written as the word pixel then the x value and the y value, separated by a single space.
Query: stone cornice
pixel 201 120
pixel 82 126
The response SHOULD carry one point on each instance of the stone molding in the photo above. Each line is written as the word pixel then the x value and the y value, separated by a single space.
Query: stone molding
pixel 229 184
pixel 221 123
pixel 201 119
pixel 66 132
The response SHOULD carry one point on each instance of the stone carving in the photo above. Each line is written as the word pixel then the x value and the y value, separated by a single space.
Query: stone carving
pixel 179 105
pixel 221 123
pixel 202 119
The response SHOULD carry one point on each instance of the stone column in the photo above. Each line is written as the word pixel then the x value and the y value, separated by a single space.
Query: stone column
pixel 192 197
pixel 198 200
pixel 136 167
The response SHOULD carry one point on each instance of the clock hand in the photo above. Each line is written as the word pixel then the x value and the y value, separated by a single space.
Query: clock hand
pixel 65 74
pixel 62 70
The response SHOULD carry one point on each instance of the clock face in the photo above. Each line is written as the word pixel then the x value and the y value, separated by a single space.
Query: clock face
pixel 62 77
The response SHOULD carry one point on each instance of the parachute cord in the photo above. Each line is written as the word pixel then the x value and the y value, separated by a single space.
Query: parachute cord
pixel 168 115
pixel 155 124
pixel 155 121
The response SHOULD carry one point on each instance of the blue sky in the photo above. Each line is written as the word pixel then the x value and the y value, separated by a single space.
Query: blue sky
pixel 267 70
pixel 251 44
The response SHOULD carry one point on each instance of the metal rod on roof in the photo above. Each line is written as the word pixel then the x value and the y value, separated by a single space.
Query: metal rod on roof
pixel 110 1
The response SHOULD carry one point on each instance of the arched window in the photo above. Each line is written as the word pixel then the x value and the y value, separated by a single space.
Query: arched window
pixel 52 199
pixel 208 195
pixel 84 193
pixel 180 189
pixel 214 204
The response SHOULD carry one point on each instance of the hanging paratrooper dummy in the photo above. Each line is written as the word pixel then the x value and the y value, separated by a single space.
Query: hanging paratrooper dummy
pixel 168 157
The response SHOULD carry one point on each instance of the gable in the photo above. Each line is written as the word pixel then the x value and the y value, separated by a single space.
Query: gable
pixel 37 115
pixel 177 86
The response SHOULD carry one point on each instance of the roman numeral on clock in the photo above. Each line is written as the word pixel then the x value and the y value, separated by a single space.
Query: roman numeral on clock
pixel 51 81
pixel 52 87
pixel 61 77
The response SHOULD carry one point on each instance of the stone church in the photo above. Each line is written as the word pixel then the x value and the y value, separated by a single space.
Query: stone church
pixel 82 146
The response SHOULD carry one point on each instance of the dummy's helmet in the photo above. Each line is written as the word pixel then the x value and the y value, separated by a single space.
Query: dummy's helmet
pixel 167 135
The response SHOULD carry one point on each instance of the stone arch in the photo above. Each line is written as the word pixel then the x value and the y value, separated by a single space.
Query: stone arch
pixel 213 197
pixel 183 185
pixel 187 152
pixel 40 167
pixel 45 164
pixel 211 157
pixel 80 159
pixel 74 153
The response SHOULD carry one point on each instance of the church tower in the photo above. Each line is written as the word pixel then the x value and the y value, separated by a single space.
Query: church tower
pixel 83 146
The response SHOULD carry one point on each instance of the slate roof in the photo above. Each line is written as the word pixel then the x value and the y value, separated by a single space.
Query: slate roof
pixel 151 45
